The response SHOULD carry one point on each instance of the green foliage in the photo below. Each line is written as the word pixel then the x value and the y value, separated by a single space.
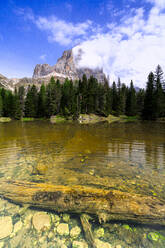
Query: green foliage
pixel 31 102
pixel 131 101
pixel 149 99
pixel 42 101
pixel 86 96
pixel 53 98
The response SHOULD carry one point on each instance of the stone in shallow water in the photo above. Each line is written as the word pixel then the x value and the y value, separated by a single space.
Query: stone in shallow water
pixel 153 236
pixel 66 218
pixel 75 232
pixel 55 218
pixel 78 244
pixel 99 232
pixel 63 229
pixel 41 221
pixel 118 246
pixel 17 227
pixel 101 244
pixel 6 226
pixel 1 244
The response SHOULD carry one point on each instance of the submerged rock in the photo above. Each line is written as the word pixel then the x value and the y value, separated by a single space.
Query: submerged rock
pixel 6 226
pixel 63 229
pixel 55 218
pixel 99 232
pixel 153 236
pixel 101 244
pixel 1 244
pixel 75 232
pixel 78 244
pixel 17 227
pixel 41 220
pixel 118 246
pixel 66 218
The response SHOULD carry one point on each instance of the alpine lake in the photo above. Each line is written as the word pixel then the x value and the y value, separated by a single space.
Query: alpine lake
pixel 129 157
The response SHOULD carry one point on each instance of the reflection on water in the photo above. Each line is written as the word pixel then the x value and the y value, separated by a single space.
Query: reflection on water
pixel 129 157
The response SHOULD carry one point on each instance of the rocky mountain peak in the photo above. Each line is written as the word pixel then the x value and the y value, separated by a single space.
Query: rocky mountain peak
pixel 67 66
pixel 42 70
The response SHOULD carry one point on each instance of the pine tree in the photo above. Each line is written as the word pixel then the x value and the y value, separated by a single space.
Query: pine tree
pixel 108 98
pixel 124 93
pixel 8 104
pixel 42 101
pixel 68 104
pixel 101 100
pixel 92 88
pixel 115 103
pixel 149 110
pixel 140 101
pixel 119 95
pixel 53 97
pixel 131 101
pixel 17 108
pixel 31 102
pixel 21 96
pixel 159 94
pixel 83 89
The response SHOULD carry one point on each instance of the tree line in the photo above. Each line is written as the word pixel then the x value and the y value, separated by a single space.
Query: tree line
pixel 86 96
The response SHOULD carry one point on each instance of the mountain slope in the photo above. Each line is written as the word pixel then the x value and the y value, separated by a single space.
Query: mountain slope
pixel 66 67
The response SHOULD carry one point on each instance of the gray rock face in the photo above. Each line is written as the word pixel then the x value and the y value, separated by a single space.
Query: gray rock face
pixel 66 66
pixel 42 70
pixel 5 82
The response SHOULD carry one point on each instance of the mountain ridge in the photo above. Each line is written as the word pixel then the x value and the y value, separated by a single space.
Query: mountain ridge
pixel 66 67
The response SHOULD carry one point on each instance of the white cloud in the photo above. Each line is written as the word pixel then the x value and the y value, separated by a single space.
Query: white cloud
pixel 43 56
pixel 129 50
pixel 65 33
pixel 158 3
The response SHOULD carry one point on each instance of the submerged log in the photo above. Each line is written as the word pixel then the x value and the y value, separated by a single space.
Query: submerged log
pixel 106 204
pixel 87 230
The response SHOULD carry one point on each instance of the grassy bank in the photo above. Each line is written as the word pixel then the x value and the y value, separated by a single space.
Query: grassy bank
pixel 26 119
pixel 57 119
pixel 92 118
pixel 5 119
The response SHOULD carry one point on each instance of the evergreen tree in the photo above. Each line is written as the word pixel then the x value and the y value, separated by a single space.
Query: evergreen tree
pixel 42 101
pixel 31 102
pixel 124 93
pixel 119 96
pixel 131 101
pixel 159 94
pixel 8 104
pixel 68 100
pixel 17 108
pixel 83 91
pixel 101 100
pixel 108 98
pixel 140 101
pixel 149 101
pixel 53 97
pixel 115 103
pixel 92 88
pixel 21 97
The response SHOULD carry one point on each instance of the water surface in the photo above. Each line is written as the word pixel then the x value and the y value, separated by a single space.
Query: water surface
pixel 127 156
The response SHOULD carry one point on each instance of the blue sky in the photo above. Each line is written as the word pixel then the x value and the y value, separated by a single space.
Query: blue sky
pixel 126 37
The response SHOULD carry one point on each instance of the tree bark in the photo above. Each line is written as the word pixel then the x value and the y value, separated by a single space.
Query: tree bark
pixel 105 204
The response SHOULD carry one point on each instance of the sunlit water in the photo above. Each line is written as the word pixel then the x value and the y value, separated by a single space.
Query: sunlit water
pixel 129 157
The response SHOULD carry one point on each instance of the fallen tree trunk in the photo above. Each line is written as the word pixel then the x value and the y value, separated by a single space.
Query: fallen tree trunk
pixel 106 204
